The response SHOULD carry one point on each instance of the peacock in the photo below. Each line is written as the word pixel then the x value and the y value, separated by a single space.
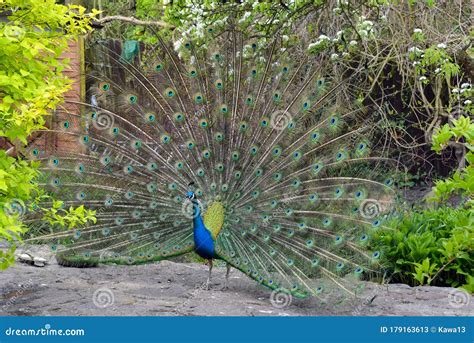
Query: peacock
pixel 257 155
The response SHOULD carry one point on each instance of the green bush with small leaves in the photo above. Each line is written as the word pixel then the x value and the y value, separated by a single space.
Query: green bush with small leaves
pixel 429 247
pixel 33 37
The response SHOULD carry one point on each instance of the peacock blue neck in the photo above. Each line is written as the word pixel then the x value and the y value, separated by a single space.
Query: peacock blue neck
pixel 203 241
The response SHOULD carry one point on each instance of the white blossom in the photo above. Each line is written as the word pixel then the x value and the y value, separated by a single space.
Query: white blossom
pixel 455 90
pixel 422 78
pixel 437 70
pixel 441 46
pixel 415 50
pixel 467 102
pixel 320 40
pixel 177 44
pixel 466 85
pixel 334 56
pixel 417 30
pixel 353 42
pixel 245 17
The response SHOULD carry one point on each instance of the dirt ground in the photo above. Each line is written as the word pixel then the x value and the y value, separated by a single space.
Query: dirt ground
pixel 175 289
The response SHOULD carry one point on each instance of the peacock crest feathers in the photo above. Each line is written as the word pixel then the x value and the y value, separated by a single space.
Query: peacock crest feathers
pixel 290 177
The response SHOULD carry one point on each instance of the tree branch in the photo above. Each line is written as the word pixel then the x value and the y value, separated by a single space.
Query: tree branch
pixel 100 22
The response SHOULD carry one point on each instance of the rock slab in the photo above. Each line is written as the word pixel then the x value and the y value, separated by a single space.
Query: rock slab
pixel 175 289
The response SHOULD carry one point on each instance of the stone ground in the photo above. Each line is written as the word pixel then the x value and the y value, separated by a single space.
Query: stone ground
pixel 174 289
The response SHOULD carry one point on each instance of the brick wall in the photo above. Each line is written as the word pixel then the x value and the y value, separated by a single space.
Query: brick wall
pixel 52 142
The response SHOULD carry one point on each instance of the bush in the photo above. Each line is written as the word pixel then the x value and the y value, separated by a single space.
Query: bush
pixel 432 247
pixel 31 85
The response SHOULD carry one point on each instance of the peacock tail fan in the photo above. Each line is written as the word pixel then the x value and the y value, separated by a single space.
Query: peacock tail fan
pixel 276 138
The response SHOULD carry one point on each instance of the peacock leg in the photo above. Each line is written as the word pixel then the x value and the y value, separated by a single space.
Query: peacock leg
pixel 226 284
pixel 208 282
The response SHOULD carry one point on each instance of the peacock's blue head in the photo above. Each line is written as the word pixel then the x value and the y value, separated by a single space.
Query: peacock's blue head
pixel 190 195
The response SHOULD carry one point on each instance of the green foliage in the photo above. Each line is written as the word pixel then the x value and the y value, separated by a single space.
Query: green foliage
pixel 462 127
pixel 149 8
pixel 70 218
pixel 461 132
pixel 30 70
pixel 15 189
pixel 20 194
pixel 31 85
pixel 436 58
pixel 431 247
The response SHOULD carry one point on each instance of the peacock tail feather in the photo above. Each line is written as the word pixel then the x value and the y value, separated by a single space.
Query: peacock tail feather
pixel 290 177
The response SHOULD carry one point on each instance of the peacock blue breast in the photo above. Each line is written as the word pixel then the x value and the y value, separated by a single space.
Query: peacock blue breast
pixel 203 240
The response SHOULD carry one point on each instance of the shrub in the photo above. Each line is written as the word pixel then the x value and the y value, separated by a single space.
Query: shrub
pixel 429 247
